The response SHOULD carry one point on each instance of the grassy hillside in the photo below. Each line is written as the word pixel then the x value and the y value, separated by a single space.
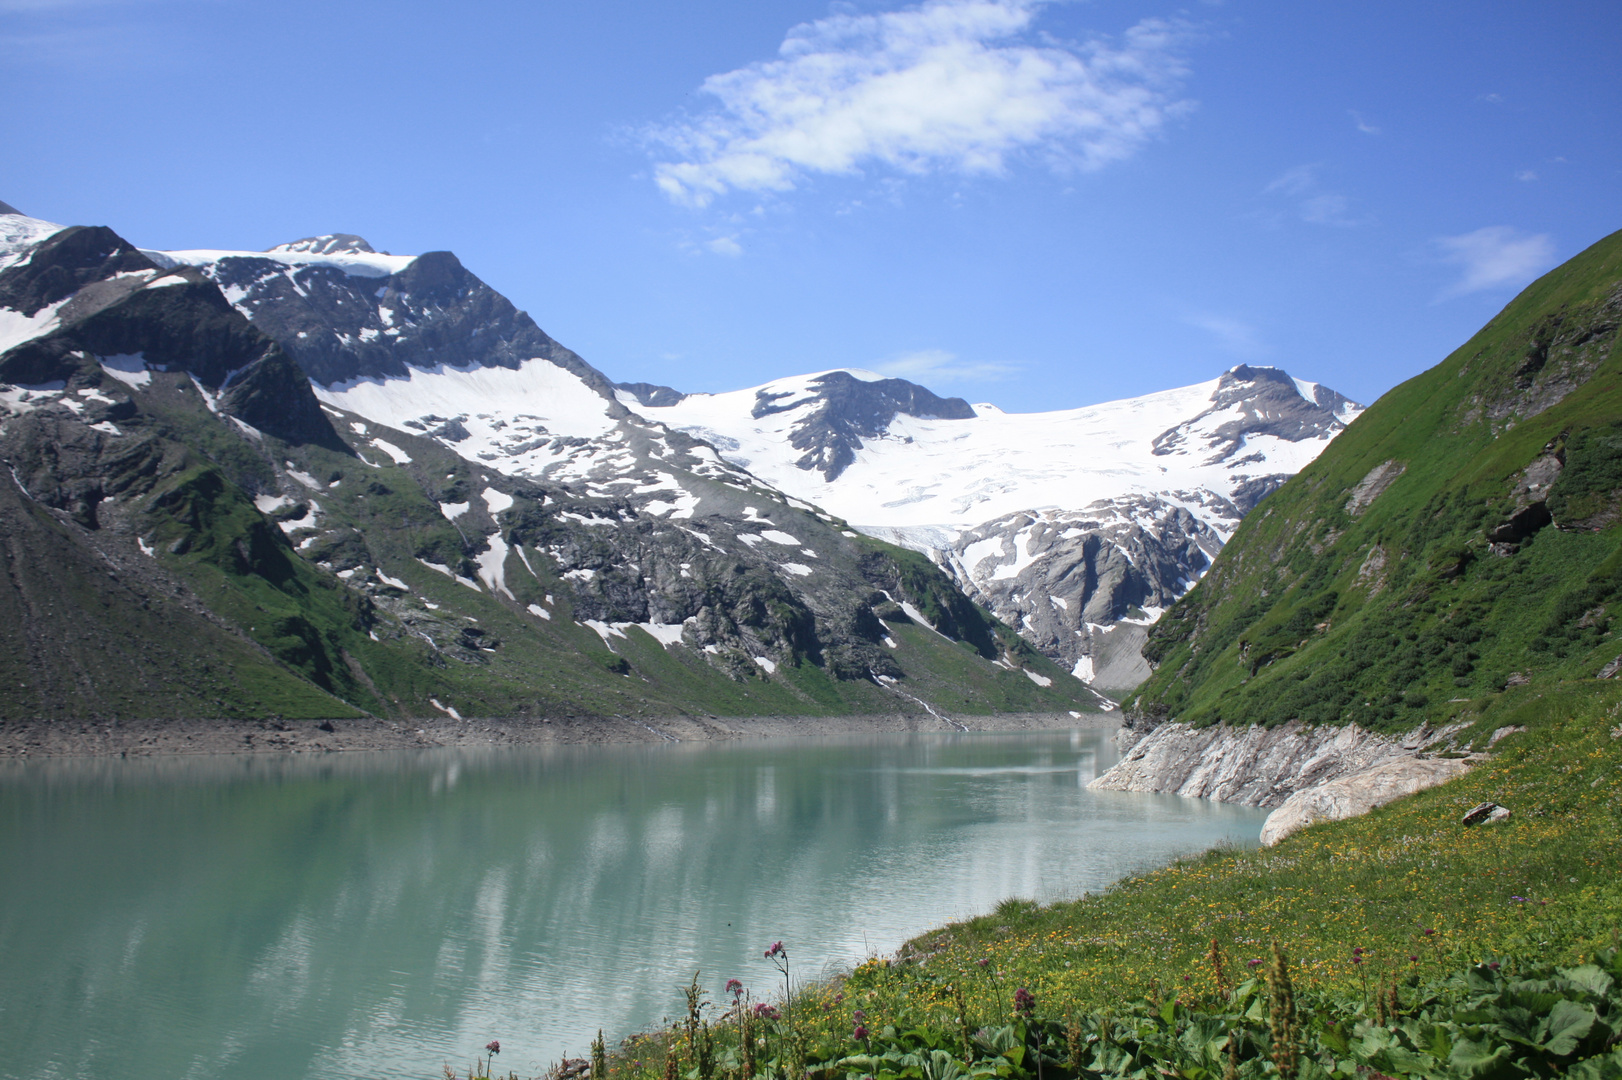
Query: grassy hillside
pixel 1457 537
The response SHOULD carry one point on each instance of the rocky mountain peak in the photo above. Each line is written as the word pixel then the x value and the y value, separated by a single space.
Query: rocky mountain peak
pixel 840 409
pixel 7 208
pixel 331 244
pixel 1252 401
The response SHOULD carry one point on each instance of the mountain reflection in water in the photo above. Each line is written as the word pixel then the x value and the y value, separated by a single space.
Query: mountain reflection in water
pixel 386 914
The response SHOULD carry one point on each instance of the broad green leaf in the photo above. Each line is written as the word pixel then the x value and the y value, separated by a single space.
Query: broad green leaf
pixel 1567 1025
pixel 1477 1058
pixel 1590 977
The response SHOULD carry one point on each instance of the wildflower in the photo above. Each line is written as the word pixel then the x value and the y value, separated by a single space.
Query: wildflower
pixel 1518 899
pixel 858 1016
pixel 765 1011
pixel 1493 965
pixel 860 1033
pixel 983 961
pixel 1253 963
pixel 734 987
pixel 775 950
pixel 1357 951
pixel 493 1046
pixel 1430 933
pixel 1024 1001
pixel 1415 959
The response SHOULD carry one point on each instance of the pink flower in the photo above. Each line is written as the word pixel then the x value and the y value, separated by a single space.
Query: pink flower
pixel 776 950
pixel 860 1032
pixel 734 987
pixel 493 1046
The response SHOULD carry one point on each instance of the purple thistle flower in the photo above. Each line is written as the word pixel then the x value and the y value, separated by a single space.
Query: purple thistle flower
pixel 1430 933
pixel 1415 959
pixel 765 1011
pixel 734 987
pixel 1493 965
pixel 1024 1001
pixel 858 1016
pixel 776 950
pixel 493 1046
pixel 983 961
pixel 1253 963
pixel 860 1032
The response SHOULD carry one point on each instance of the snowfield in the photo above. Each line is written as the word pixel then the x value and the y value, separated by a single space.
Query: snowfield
pixel 956 474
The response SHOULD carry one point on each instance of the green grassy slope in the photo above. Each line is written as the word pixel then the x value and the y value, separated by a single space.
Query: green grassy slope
pixel 1402 608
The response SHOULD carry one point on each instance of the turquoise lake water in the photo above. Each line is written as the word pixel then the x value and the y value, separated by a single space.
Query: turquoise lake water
pixel 383 915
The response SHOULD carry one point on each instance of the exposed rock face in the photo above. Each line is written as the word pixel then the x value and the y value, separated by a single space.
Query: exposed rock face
pixel 1251 766
pixel 850 410
pixel 1082 585
pixel 1253 401
pixel 1371 486
pixel 373 316
pixel 1357 794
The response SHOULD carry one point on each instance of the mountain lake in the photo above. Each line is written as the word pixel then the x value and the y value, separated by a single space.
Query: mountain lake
pixel 271 917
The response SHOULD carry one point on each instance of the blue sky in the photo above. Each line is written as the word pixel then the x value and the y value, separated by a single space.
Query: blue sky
pixel 1042 205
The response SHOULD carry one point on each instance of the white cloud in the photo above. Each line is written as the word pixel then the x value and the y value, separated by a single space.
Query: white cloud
pixel 1495 257
pixel 1308 199
pixel 1232 335
pixel 1526 176
pixel 953 85
pixel 941 366
pixel 725 245
pixel 1363 125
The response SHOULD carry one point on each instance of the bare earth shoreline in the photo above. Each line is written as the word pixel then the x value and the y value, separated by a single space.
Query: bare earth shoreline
pixel 143 738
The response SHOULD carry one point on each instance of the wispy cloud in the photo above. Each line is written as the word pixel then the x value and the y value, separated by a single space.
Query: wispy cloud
pixel 726 245
pixel 1526 176
pixel 1308 200
pixel 1363 125
pixel 1493 258
pixel 941 366
pixel 947 85
pixel 1233 336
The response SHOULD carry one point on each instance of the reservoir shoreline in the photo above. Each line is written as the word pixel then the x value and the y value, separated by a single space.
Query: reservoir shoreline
pixel 149 737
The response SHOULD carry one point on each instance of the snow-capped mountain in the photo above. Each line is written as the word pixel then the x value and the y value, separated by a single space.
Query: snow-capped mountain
pixel 234 488
pixel 1075 526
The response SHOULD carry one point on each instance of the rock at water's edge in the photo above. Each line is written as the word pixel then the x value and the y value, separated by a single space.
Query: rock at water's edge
pixel 1251 766
pixel 1357 794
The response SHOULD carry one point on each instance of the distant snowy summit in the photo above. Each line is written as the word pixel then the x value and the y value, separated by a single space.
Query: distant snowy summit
pixel 888 453
pixel 1077 527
